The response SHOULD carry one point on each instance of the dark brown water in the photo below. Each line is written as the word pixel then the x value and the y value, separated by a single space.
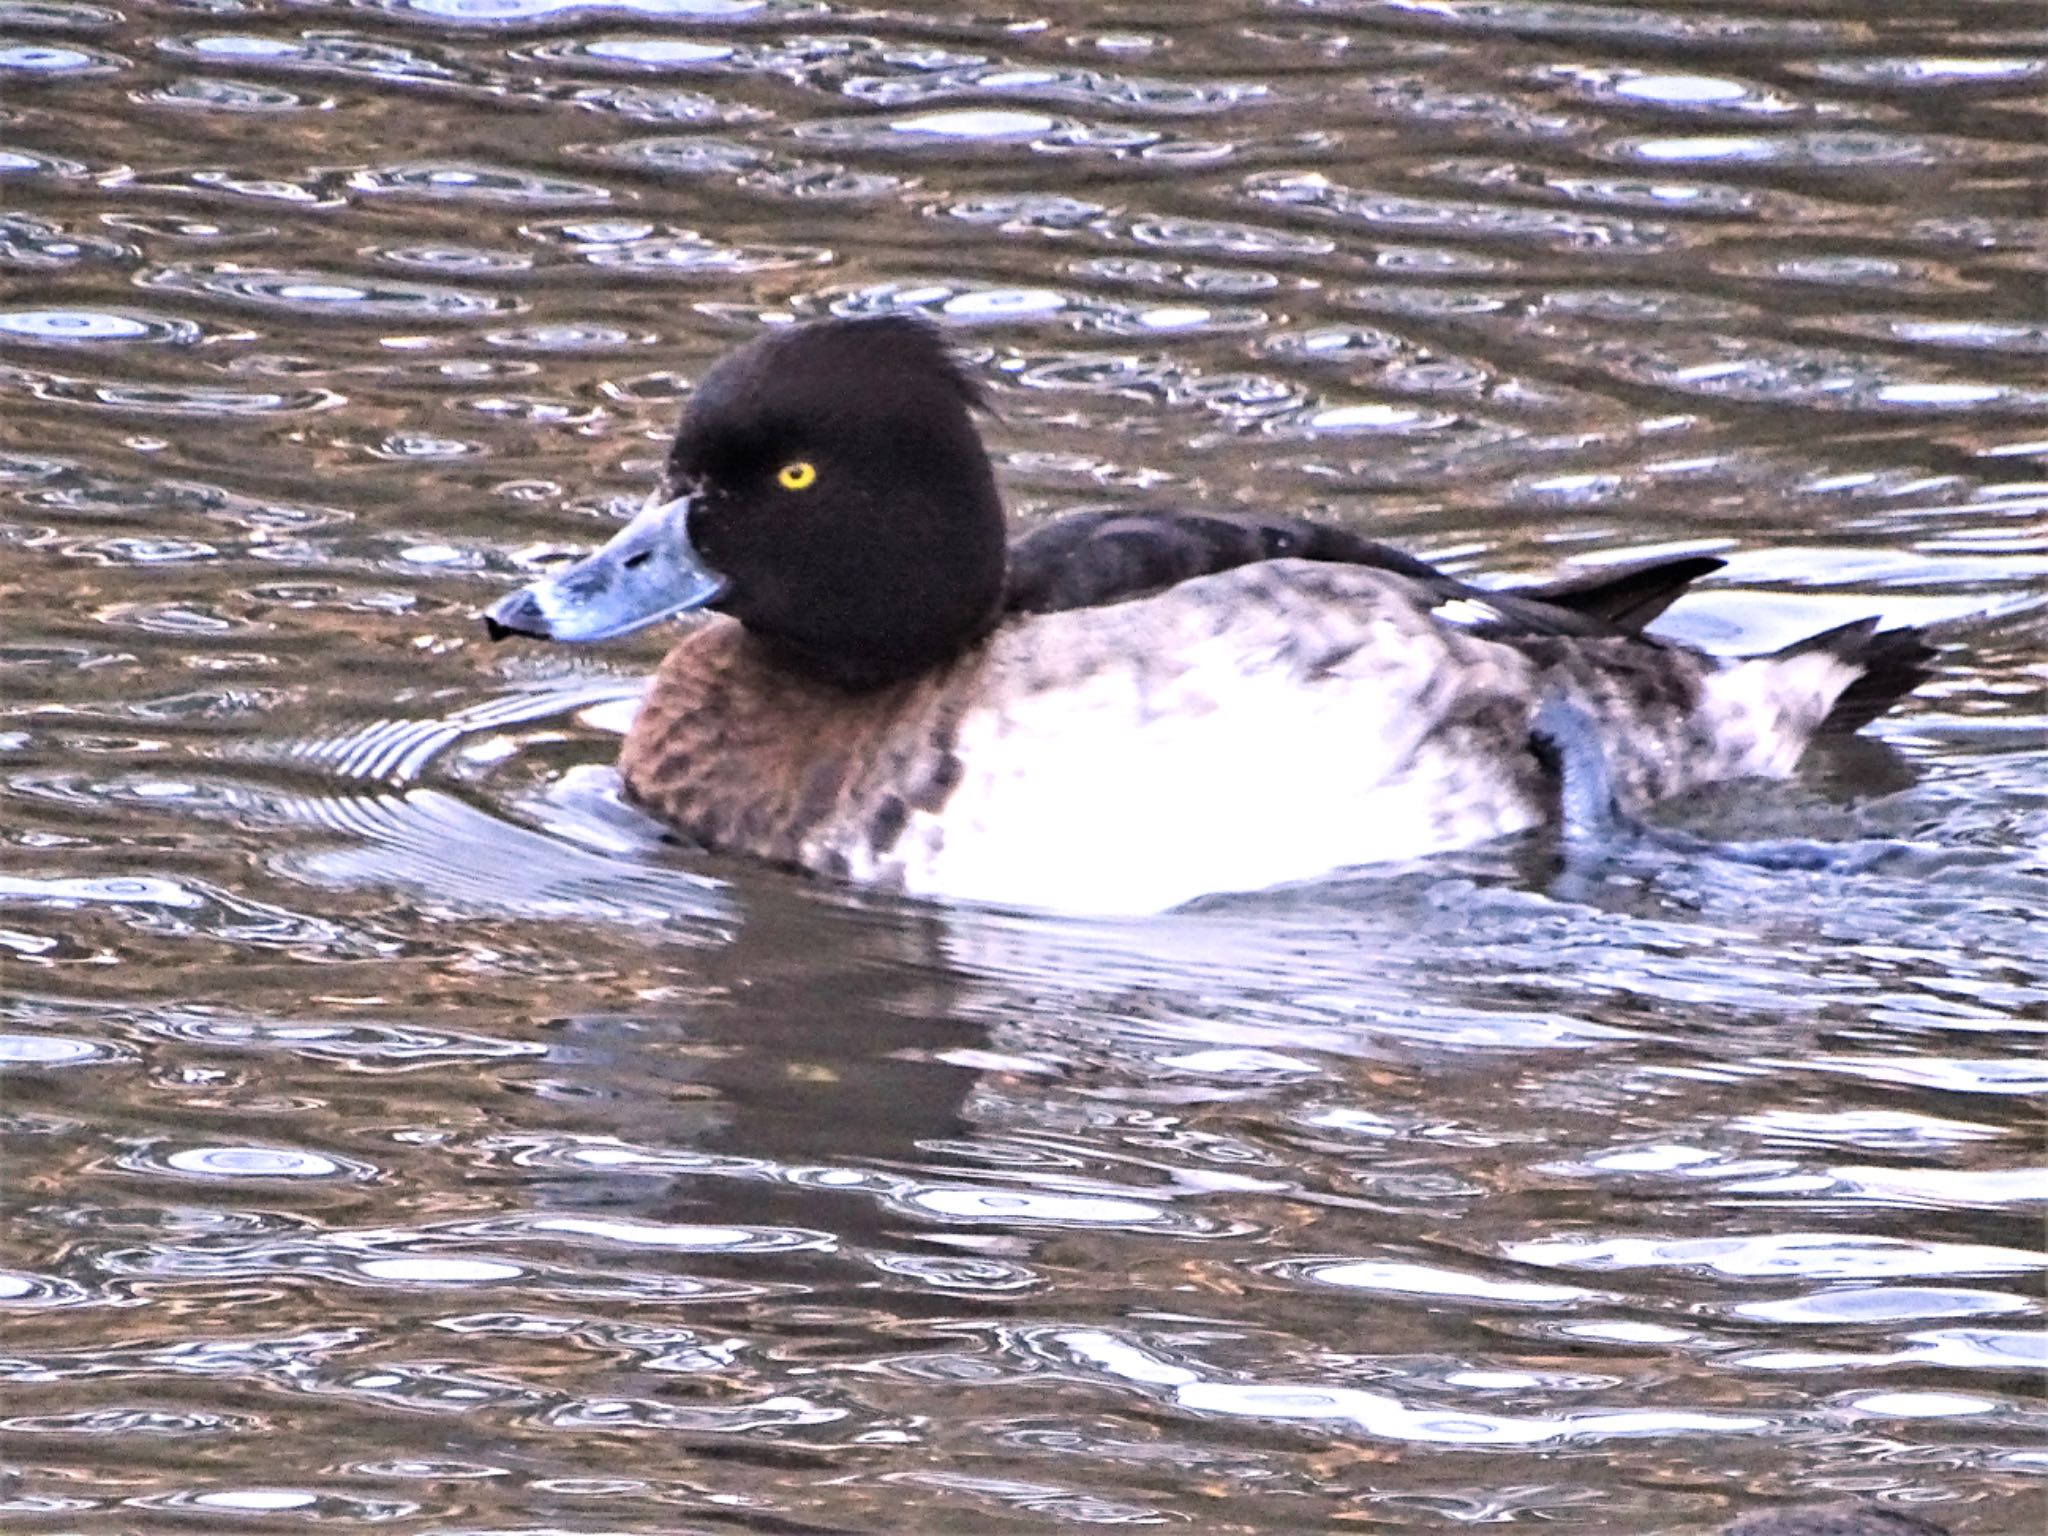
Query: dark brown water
pixel 399 1138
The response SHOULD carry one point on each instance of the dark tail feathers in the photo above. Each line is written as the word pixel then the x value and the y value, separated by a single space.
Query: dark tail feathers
pixel 1894 663
pixel 1627 598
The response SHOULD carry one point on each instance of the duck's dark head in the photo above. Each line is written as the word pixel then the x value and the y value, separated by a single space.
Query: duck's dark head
pixel 826 488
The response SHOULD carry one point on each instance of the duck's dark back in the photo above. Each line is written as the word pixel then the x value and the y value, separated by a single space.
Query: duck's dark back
pixel 1089 559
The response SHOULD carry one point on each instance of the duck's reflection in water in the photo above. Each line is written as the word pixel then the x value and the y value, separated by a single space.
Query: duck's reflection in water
pixel 813 1061
pixel 858 1065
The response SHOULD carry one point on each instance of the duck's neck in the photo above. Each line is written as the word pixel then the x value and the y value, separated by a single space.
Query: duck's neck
pixel 868 668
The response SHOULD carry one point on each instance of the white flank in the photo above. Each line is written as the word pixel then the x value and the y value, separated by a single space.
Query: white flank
pixel 1136 789
pixel 1263 726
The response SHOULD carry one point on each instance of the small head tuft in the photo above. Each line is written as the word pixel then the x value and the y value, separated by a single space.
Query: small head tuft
pixel 864 353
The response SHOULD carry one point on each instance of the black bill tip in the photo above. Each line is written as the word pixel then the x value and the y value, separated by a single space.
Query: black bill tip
pixel 516 613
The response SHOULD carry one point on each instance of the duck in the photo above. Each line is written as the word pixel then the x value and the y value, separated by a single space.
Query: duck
pixel 1119 711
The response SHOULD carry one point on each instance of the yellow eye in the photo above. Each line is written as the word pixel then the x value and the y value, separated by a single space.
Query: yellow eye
pixel 800 476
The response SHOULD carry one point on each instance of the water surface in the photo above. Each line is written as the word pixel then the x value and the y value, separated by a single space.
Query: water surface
pixel 400 1137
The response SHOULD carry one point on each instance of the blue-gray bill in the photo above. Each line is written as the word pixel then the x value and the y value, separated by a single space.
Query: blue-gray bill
pixel 648 571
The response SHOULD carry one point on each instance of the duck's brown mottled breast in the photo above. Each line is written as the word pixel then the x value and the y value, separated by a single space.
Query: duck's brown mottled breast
pixel 745 756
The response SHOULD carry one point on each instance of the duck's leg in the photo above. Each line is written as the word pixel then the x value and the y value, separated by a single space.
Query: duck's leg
pixel 1564 735
pixel 1594 821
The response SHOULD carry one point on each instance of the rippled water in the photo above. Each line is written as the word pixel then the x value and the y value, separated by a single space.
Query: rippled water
pixel 398 1136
